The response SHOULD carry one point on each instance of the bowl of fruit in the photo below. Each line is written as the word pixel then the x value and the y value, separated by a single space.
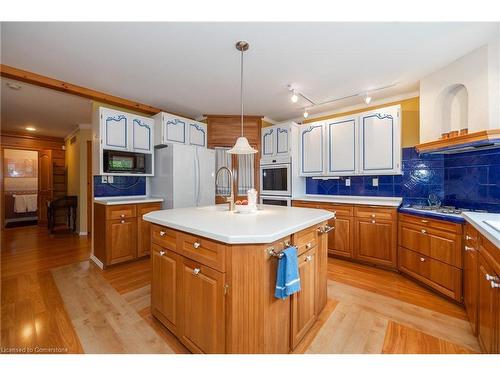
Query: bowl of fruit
pixel 242 207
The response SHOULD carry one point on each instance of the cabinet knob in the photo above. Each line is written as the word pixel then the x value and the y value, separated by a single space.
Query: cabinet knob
pixel 491 278
pixel 373 215
pixel 467 237
pixel 425 221
pixel 423 231
pixel 308 258
pixel 373 221
pixel 162 233
pixel 308 245
pixel 196 271
pixel 468 248
pixel 422 259
pixel 162 253
pixel 196 245
pixel 122 215
pixel 123 221
pixel 495 285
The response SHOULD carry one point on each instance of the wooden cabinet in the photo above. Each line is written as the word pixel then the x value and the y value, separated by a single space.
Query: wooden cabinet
pixel 311 146
pixel 342 146
pixel 120 233
pixel 276 141
pixel 430 251
pixel 171 128
pixel 470 274
pixel 380 141
pixel 202 308
pixel 165 284
pixel 303 303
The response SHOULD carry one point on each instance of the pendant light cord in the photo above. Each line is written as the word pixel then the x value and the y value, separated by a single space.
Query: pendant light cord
pixel 241 92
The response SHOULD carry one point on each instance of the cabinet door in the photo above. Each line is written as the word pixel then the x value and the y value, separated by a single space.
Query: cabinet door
pixel 142 133
pixel 175 129
pixel 197 134
pixel 122 237
pixel 165 266
pixel 268 142
pixel 380 141
pixel 488 308
pixel 282 140
pixel 311 150
pixel 144 228
pixel 303 302
pixel 376 241
pixel 470 278
pixel 202 308
pixel 342 146
pixel 340 238
pixel 114 128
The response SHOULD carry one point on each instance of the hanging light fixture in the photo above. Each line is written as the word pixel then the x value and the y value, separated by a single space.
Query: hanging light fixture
pixel 242 147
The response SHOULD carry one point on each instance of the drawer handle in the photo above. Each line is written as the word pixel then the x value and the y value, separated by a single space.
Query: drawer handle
pixel 373 215
pixel 423 231
pixel 495 285
pixel 122 215
pixel 468 248
pixel 196 245
pixel 123 221
pixel 162 253
pixel 491 278
pixel 162 233
pixel 422 259
pixel 325 229
pixel 308 245
pixel 468 238
pixel 425 221
pixel 308 258
pixel 196 271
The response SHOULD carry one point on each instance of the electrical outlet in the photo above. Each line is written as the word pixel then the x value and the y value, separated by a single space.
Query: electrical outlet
pixel 347 182
pixel 104 179
pixel 110 179
pixel 375 181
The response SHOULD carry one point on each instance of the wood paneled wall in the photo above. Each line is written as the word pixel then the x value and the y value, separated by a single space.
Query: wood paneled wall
pixel 30 142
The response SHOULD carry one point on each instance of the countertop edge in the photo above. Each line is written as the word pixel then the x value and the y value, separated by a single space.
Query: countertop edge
pixel 431 215
pixel 483 229
pixel 240 240
pixel 353 199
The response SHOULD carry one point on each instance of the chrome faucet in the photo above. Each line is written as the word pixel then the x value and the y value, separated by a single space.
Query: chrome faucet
pixel 230 198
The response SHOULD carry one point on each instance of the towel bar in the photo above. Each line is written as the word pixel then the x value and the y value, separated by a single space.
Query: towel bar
pixel 271 251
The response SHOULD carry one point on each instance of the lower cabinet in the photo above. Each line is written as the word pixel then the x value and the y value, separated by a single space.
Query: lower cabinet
pixel 144 228
pixel 121 240
pixel 470 274
pixel 376 241
pixel 303 303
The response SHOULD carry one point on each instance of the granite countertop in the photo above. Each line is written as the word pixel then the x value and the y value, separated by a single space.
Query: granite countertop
pixel 126 200
pixel 218 223
pixel 352 199
pixel 477 220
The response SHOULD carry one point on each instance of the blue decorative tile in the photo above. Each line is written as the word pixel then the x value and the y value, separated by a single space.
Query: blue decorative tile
pixel 121 186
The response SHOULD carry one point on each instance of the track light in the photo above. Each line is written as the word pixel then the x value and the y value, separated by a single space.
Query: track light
pixel 294 98
pixel 367 99
pixel 306 114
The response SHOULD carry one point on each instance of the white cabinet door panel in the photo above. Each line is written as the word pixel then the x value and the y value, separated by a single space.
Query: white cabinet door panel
pixel 114 129
pixel 175 130
pixel 342 146
pixel 282 139
pixel 197 134
pixel 142 133
pixel 268 135
pixel 311 150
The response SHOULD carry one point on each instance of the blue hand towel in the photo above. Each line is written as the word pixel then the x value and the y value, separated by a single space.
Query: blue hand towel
pixel 287 275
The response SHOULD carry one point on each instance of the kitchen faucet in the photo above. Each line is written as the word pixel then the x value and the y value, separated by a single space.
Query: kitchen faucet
pixel 230 198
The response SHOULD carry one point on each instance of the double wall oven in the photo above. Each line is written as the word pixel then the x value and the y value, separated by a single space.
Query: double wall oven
pixel 276 184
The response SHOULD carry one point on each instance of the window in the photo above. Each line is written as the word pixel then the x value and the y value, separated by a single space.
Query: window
pixel 222 159
pixel 246 174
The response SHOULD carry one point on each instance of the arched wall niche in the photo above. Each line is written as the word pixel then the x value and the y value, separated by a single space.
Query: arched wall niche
pixel 451 108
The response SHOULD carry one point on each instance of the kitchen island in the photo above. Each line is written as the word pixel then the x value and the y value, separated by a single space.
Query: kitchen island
pixel 214 275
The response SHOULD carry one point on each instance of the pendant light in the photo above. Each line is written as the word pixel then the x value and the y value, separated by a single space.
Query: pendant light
pixel 242 147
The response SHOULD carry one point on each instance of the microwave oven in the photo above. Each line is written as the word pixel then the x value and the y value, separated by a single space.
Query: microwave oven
pixel 123 162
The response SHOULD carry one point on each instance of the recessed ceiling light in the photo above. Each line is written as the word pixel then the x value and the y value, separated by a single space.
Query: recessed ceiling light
pixel 30 128
pixel 13 86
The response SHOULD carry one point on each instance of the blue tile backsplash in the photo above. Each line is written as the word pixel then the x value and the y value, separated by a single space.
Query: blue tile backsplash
pixel 121 186
pixel 467 180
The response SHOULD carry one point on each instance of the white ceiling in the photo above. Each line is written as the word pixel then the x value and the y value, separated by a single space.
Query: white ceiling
pixel 52 113
pixel 193 68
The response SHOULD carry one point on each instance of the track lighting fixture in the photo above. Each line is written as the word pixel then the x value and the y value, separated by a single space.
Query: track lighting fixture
pixel 306 114
pixel 367 98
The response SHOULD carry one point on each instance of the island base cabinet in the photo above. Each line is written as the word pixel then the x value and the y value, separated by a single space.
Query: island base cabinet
pixel 376 242
pixel 202 308
pixel 166 267
pixel 303 302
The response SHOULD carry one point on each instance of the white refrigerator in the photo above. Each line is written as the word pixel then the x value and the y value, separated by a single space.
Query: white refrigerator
pixel 184 176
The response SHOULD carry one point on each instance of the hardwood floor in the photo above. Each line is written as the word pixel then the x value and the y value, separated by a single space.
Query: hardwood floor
pixel 369 310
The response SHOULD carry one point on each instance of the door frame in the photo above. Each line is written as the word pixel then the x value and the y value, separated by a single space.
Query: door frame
pixel 90 188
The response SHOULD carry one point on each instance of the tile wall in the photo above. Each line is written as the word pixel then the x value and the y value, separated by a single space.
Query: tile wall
pixel 121 186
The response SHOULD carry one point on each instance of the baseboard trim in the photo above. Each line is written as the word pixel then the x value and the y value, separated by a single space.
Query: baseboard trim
pixel 98 263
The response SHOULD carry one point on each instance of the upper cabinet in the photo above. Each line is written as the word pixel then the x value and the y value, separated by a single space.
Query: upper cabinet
pixel 363 144
pixel 275 141
pixel 175 129
pixel 125 131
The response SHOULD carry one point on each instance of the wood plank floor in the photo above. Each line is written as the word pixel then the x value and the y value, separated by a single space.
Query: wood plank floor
pixel 369 310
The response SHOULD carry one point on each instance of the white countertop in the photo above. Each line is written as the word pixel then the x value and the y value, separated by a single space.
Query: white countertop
pixel 477 219
pixel 126 200
pixel 352 199
pixel 216 222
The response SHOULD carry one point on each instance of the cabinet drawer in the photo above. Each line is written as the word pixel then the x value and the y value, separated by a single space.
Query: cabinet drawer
pixel 436 224
pixel 306 204
pixel 438 275
pixel 437 244
pixel 305 239
pixel 371 212
pixel 199 249
pixel 340 209
pixel 164 237
pixel 120 212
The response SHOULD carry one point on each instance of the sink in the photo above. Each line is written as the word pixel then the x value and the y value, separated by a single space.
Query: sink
pixel 495 224
pixel 217 207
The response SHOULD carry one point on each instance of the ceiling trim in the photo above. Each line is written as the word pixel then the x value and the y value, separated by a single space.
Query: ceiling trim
pixel 55 84
pixel 12 133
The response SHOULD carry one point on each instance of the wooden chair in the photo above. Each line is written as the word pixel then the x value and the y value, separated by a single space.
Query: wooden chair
pixel 68 204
